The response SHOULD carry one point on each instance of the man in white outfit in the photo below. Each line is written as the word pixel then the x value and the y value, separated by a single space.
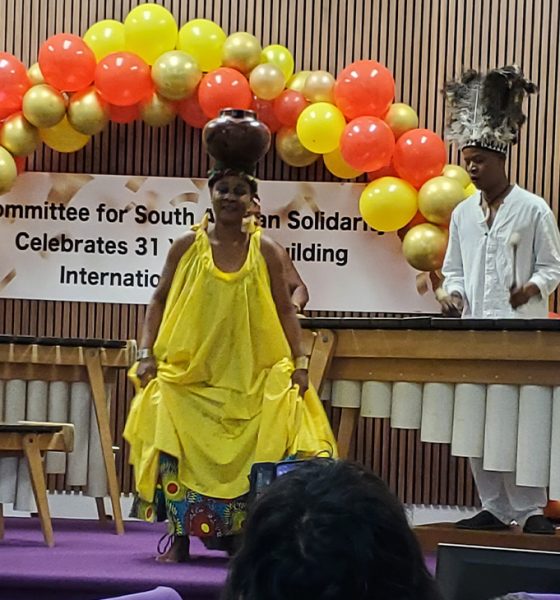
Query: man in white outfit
pixel 482 277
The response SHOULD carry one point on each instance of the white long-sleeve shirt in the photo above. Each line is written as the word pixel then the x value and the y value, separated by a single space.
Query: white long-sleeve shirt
pixel 479 260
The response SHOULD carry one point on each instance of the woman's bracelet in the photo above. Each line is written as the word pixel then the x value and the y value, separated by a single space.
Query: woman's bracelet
pixel 144 353
pixel 301 362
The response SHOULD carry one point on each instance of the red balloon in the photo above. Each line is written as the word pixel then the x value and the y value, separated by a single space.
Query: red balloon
pixel 123 79
pixel 265 113
pixel 189 110
pixel 66 62
pixel 124 114
pixel 367 144
pixel 419 155
pixel 21 164
pixel 417 219
pixel 288 106
pixel 388 171
pixel 364 88
pixel 13 84
pixel 223 88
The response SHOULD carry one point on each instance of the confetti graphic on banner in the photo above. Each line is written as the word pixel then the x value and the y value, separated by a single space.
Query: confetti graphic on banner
pixel 65 186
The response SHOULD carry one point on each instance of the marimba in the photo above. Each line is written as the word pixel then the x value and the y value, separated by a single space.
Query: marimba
pixel 53 379
pixel 490 388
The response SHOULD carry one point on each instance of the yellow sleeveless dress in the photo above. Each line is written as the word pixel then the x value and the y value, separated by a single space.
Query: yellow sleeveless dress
pixel 222 399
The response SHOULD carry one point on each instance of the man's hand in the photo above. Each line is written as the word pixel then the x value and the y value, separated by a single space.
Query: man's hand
pixel 301 377
pixel 518 296
pixel 451 304
pixel 147 369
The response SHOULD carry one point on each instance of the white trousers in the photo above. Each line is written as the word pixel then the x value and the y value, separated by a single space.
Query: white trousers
pixel 500 495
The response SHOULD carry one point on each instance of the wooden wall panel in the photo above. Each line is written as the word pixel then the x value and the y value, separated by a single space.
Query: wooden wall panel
pixel 423 42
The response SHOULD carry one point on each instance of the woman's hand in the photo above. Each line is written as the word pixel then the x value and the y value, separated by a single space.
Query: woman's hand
pixel 147 370
pixel 300 377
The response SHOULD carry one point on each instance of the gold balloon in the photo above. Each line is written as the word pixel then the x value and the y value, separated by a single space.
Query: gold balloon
pixel 458 173
pixel 319 87
pixel 438 197
pixel 297 81
pixel 88 113
pixel 157 111
pixel 34 74
pixel 176 75
pixel 241 51
pixel 424 247
pixel 63 137
pixel 290 149
pixel 43 106
pixel 8 170
pixel 267 81
pixel 18 136
pixel 401 118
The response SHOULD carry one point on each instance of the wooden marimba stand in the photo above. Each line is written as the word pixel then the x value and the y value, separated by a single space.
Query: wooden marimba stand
pixel 92 361
pixel 439 350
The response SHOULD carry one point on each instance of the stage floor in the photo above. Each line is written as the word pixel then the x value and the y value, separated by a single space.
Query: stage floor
pixel 90 562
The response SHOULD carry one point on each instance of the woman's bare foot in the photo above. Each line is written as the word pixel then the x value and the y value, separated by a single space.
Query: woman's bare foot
pixel 178 552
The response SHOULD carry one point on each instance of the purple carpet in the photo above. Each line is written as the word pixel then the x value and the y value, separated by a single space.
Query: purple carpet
pixel 90 562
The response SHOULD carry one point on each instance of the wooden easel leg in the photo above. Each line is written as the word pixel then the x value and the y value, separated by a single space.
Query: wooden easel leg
pixel 35 463
pixel 346 428
pixel 321 357
pixel 96 379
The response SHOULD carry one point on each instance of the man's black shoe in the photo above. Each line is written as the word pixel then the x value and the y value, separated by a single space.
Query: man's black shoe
pixel 483 521
pixel 539 524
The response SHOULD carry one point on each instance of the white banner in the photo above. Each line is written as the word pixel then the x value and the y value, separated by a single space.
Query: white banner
pixel 104 238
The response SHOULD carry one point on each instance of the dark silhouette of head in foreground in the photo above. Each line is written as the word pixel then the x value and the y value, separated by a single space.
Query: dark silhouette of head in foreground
pixel 330 530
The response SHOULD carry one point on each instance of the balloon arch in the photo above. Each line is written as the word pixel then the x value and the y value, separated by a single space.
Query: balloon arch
pixel 147 68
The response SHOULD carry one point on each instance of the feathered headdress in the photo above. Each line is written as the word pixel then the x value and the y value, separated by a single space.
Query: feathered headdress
pixel 486 110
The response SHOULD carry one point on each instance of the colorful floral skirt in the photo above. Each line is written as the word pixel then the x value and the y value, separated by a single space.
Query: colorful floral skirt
pixel 188 512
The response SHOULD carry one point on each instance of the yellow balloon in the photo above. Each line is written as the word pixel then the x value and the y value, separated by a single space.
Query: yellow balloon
pixel 291 151
pixel 401 118
pixel 266 81
pixel 297 81
pixel 470 190
pixel 388 203
pixel 424 247
pixel 63 137
pixel 149 31
pixel 88 113
pixel 438 197
pixel 281 57
pixel 338 166
pixel 43 106
pixel 157 111
pixel 320 126
pixel 241 51
pixel 176 75
pixel 8 170
pixel 203 40
pixel 105 37
pixel 458 173
pixel 18 136
pixel 35 75
pixel 319 87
